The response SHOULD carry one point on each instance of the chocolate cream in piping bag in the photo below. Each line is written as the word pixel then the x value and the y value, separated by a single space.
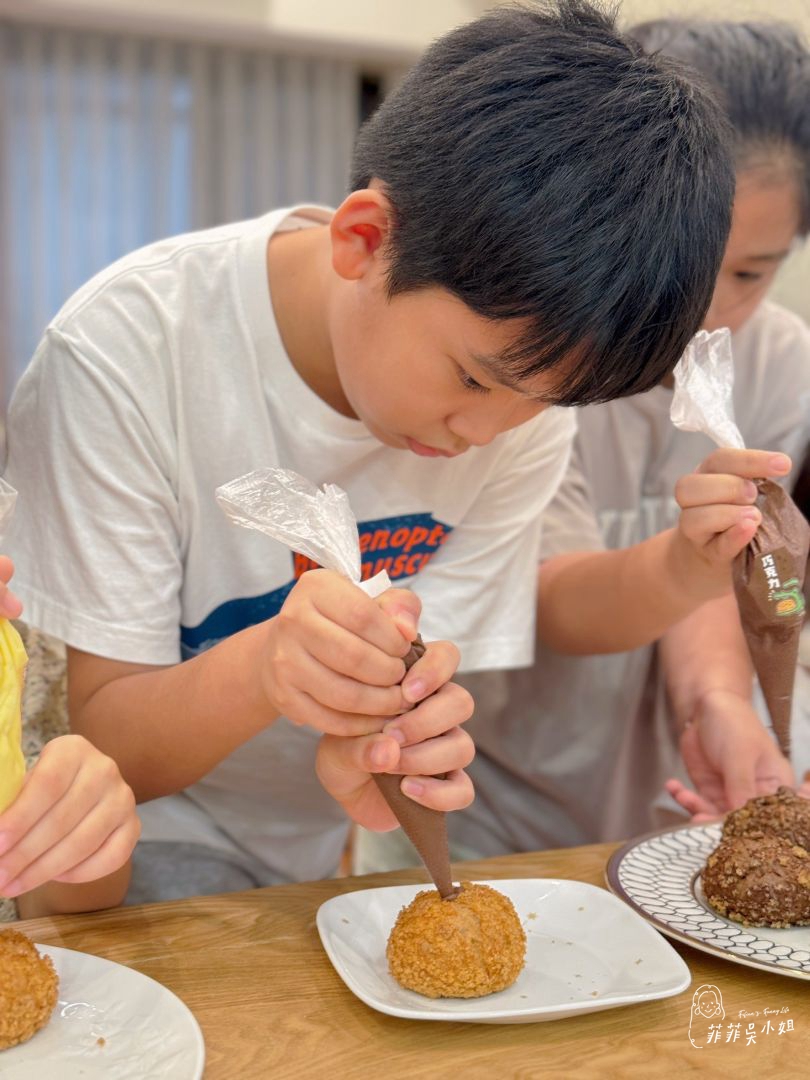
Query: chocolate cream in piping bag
pixel 319 523
pixel 425 828
pixel 769 585
pixel 769 572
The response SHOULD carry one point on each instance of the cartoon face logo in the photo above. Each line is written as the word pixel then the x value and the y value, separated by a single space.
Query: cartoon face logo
pixel 707 1008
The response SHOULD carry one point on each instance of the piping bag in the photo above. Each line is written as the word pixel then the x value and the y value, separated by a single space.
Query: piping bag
pixel 319 523
pixel 768 574
pixel 12 670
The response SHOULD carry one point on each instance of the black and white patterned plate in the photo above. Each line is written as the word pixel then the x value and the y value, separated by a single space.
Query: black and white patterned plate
pixel 659 876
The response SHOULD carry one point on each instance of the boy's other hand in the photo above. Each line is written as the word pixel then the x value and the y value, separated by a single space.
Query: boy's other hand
pixel 73 821
pixel 334 657
pixel 718 517
pixel 10 606
pixel 730 758
pixel 417 745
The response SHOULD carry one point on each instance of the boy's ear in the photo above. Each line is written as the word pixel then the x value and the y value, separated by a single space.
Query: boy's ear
pixel 359 233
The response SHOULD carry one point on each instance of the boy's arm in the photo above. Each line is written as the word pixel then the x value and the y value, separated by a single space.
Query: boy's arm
pixel 613 601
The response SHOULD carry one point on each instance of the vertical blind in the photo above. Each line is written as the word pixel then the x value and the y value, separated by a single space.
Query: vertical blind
pixel 108 142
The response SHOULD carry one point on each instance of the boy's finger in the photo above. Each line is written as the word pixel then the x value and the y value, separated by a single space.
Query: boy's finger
pixel 755 464
pixel 451 706
pixel 304 709
pixel 438 756
pixel 6 569
pixel 702 489
pixel 110 857
pixel 71 850
pixel 347 654
pixel 343 694
pixel 702 524
pixel 431 671
pixel 453 793
pixel 404 607
pixel 349 607
pixel 42 788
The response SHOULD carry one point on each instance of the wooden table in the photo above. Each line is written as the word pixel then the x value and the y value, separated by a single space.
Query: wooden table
pixel 251 967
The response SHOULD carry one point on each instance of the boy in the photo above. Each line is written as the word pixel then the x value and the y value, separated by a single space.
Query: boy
pixel 537 216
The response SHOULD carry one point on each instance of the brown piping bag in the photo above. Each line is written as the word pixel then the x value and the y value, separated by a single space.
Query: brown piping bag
pixel 768 582
pixel 425 828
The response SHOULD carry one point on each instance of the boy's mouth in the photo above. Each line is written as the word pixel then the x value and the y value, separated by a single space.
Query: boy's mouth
pixel 429 451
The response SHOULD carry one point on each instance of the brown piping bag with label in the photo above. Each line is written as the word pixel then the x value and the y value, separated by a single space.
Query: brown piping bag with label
pixel 769 582
pixel 319 523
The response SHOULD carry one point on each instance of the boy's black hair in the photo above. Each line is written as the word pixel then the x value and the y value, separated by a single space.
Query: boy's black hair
pixel 761 74
pixel 542 167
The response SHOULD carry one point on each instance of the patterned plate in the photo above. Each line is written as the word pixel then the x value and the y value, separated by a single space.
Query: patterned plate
pixel 659 876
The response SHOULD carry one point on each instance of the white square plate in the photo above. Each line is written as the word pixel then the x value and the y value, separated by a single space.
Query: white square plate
pixel 586 951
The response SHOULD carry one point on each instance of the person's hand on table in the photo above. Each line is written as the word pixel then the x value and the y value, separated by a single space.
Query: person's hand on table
pixel 73 821
pixel 421 745
pixel 10 606
pixel 730 758
pixel 718 517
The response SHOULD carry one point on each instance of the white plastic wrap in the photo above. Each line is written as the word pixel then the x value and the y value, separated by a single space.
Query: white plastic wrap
pixel 704 381
pixel 316 522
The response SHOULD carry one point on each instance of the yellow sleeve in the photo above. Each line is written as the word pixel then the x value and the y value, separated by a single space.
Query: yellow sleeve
pixel 12 668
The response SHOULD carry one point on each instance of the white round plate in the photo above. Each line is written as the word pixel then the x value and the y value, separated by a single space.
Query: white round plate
pixel 586 951
pixel 110 1022
pixel 659 876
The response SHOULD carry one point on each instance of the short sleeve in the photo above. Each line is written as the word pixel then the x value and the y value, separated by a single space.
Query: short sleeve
pixel 95 537
pixel 480 590
pixel 570 523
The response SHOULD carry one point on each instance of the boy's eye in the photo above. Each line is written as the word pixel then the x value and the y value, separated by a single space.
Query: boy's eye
pixel 470 383
pixel 747 275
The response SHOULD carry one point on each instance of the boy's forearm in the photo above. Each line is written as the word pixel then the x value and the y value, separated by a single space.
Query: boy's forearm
pixel 704 654
pixel 58 898
pixel 167 727
pixel 613 601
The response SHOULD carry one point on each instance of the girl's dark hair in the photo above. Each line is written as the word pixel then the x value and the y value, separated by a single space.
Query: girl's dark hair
pixel 761 74
pixel 541 166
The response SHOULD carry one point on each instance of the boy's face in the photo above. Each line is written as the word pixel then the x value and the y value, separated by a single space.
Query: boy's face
pixel 415 370
pixel 764 224
pixel 420 369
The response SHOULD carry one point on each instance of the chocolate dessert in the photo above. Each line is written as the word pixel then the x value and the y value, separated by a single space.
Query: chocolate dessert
pixel 759 881
pixel 784 814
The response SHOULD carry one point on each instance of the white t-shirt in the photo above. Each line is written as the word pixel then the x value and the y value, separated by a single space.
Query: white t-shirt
pixel 576 749
pixel 165 377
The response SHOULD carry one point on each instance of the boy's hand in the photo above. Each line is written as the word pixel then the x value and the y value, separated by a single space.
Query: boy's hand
pixel 717 516
pixel 10 606
pixel 730 758
pixel 73 821
pixel 418 745
pixel 334 658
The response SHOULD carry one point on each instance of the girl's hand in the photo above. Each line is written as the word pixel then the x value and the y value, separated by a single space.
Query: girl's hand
pixel 10 606
pixel 73 821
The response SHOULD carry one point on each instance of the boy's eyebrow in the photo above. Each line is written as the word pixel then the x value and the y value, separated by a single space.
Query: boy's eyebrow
pixel 775 256
pixel 493 365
